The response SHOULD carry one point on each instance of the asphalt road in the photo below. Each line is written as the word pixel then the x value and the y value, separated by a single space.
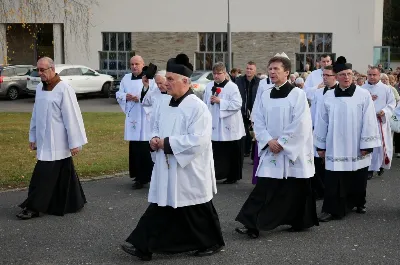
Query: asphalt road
pixel 93 235
pixel 87 104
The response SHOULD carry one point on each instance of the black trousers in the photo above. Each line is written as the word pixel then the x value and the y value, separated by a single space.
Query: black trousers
pixel 228 159
pixel 396 141
pixel 344 190
pixel 247 139
pixel 317 182
pixel 140 162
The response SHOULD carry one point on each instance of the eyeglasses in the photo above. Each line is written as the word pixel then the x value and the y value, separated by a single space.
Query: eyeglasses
pixel 325 75
pixel 42 69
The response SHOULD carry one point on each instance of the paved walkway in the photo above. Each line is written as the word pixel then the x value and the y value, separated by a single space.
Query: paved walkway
pixel 93 235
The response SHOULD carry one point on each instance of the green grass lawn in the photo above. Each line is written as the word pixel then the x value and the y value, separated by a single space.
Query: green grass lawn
pixel 106 152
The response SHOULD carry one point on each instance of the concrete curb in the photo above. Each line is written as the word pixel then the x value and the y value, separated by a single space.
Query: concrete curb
pixel 116 175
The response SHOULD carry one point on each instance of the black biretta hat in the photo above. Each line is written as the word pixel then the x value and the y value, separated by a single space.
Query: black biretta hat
pixel 150 71
pixel 180 65
pixel 341 64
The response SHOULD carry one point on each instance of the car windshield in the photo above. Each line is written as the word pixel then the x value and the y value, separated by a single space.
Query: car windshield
pixel 34 73
pixel 196 76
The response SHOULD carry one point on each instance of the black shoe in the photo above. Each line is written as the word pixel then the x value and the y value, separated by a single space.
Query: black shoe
pixel 209 251
pixel 137 253
pixel 370 175
pixel 361 210
pixel 27 214
pixel 229 181
pixel 326 217
pixel 381 171
pixel 137 185
pixel 252 233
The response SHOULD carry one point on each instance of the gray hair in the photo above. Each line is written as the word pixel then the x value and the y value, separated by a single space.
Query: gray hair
pixel 161 73
pixel 48 60
pixel 384 76
pixel 219 66
pixel 299 80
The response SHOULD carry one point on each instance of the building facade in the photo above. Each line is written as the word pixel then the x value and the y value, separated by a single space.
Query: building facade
pixel 157 30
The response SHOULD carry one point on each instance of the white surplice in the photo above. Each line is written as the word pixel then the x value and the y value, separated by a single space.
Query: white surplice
pixel 312 82
pixel 261 87
pixel 137 121
pixel 56 124
pixel 151 102
pixel 227 120
pixel 344 126
pixel 190 177
pixel 385 101
pixel 316 103
pixel 288 120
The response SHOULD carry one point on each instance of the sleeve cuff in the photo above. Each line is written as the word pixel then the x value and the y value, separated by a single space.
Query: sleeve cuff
pixel 265 147
pixel 167 147
pixel 369 150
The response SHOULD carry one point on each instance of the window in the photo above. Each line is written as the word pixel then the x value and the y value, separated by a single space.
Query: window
pixel 22 70
pixel 116 53
pixel 213 47
pixel 86 71
pixel 71 71
pixel 8 72
pixel 312 46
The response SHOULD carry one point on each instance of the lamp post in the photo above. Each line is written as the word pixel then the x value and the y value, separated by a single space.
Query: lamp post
pixel 229 39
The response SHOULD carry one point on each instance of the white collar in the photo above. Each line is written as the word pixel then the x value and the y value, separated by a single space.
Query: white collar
pixel 278 87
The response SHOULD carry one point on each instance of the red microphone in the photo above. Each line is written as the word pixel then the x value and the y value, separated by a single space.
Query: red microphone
pixel 217 91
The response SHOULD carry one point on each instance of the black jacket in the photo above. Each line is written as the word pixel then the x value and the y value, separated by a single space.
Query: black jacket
pixel 241 83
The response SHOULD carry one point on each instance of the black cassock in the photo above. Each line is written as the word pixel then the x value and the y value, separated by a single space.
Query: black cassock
pixel 275 202
pixel 140 162
pixel 55 188
pixel 175 230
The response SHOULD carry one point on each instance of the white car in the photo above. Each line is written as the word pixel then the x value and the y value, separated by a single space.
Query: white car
pixel 199 81
pixel 81 78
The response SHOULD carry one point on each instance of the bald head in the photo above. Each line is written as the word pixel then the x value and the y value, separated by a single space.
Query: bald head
pixel 137 64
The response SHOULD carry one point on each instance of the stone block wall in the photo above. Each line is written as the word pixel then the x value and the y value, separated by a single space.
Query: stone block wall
pixel 158 47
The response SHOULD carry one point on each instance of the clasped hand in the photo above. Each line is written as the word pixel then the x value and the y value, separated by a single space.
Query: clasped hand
pixel 130 97
pixel 215 99
pixel 156 144
pixel 274 146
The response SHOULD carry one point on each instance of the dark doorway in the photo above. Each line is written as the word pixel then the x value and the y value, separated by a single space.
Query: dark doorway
pixel 26 43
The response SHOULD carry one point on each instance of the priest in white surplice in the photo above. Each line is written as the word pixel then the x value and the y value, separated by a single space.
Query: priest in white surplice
pixel 57 133
pixel 315 80
pixel 283 129
pixel 132 93
pixel 316 102
pixel 345 134
pixel 384 103
pixel 181 216
pixel 224 101
pixel 156 96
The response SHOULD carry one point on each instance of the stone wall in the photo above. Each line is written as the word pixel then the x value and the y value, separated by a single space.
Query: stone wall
pixel 158 47
pixel 261 46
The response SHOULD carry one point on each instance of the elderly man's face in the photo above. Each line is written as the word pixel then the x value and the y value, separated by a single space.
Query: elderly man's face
pixel 45 72
pixel 161 83
pixel 385 80
pixel 176 84
pixel 345 78
pixel 292 78
pixel 137 65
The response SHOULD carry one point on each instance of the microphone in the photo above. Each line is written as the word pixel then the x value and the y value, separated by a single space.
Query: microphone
pixel 216 93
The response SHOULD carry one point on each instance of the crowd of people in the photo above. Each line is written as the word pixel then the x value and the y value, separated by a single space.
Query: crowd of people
pixel 320 135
